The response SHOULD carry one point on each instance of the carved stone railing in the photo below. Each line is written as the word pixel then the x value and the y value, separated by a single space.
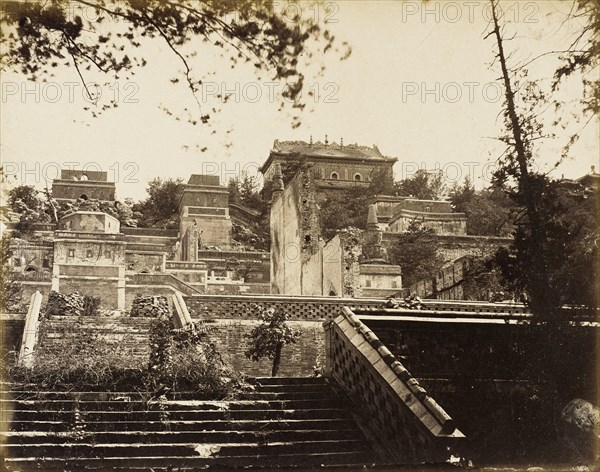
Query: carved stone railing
pixel 398 413
pixel 31 331
pixel 163 279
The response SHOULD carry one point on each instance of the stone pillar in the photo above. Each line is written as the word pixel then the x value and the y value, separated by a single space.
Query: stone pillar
pixel 191 241
pixel 278 186
pixel 55 276
pixel 372 218
pixel 121 289
pixel 373 250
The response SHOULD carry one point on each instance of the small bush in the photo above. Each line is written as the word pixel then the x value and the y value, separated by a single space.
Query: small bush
pixel 150 306
pixel 187 360
pixel 268 338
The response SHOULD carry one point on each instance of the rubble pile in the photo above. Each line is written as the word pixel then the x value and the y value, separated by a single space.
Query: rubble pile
pixel 63 304
pixel 150 306
pixel 116 209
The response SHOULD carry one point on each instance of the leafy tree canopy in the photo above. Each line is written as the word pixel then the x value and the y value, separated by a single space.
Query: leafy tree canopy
pixel 268 338
pixel 583 55
pixel 41 36
pixel 160 208
pixel 416 252
pixel 490 212
pixel 423 185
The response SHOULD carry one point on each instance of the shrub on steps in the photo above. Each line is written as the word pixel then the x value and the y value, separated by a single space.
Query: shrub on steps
pixel 64 304
pixel 73 304
pixel 85 362
pixel 150 306
pixel 187 360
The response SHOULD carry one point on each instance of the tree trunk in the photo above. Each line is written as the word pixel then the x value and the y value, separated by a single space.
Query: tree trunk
pixel 276 360
pixel 539 277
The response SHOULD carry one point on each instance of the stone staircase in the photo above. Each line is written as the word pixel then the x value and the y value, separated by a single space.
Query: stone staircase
pixel 283 422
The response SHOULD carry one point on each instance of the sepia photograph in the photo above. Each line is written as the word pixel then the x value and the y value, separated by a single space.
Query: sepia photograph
pixel 294 235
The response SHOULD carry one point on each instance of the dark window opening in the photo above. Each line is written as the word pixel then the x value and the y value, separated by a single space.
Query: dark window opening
pixel 357 177
pixel 334 176
pixel 83 196
pixel 30 269
pixel 17 261
pixel 46 263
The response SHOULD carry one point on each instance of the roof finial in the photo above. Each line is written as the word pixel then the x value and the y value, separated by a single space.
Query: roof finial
pixel 326 141
pixel 341 142
pixel 311 139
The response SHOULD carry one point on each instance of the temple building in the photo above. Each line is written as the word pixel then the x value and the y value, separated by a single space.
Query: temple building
pixel 332 165
pixel 395 215
pixel 74 184
pixel 92 252
pixel 204 216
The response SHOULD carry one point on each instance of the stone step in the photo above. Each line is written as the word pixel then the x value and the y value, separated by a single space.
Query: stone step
pixel 232 414
pixel 288 380
pixel 283 422
pixel 347 460
pixel 26 394
pixel 198 436
pixel 304 396
pixel 89 450
pixel 293 388
pixel 69 406
pixel 190 425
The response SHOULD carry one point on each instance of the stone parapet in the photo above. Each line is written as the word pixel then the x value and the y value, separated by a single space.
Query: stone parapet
pixel 400 414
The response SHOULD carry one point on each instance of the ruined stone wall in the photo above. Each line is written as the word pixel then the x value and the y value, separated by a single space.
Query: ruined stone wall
pixel 285 243
pixel 454 247
pixel 333 267
pixel 295 237
pixel 312 274
pixel 351 249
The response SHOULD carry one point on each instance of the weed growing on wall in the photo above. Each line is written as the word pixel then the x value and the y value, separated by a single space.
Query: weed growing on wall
pixel 187 360
pixel 84 362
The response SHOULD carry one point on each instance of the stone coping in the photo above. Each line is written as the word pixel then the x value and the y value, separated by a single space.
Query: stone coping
pixel 443 425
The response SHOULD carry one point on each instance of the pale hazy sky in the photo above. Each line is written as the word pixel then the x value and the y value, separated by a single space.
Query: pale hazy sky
pixel 418 85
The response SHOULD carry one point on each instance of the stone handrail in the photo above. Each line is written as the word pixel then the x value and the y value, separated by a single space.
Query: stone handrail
pixel 400 415
pixel 181 315
pixel 31 330
pixel 164 279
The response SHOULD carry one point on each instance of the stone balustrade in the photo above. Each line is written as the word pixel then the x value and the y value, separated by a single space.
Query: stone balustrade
pixel 398 412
